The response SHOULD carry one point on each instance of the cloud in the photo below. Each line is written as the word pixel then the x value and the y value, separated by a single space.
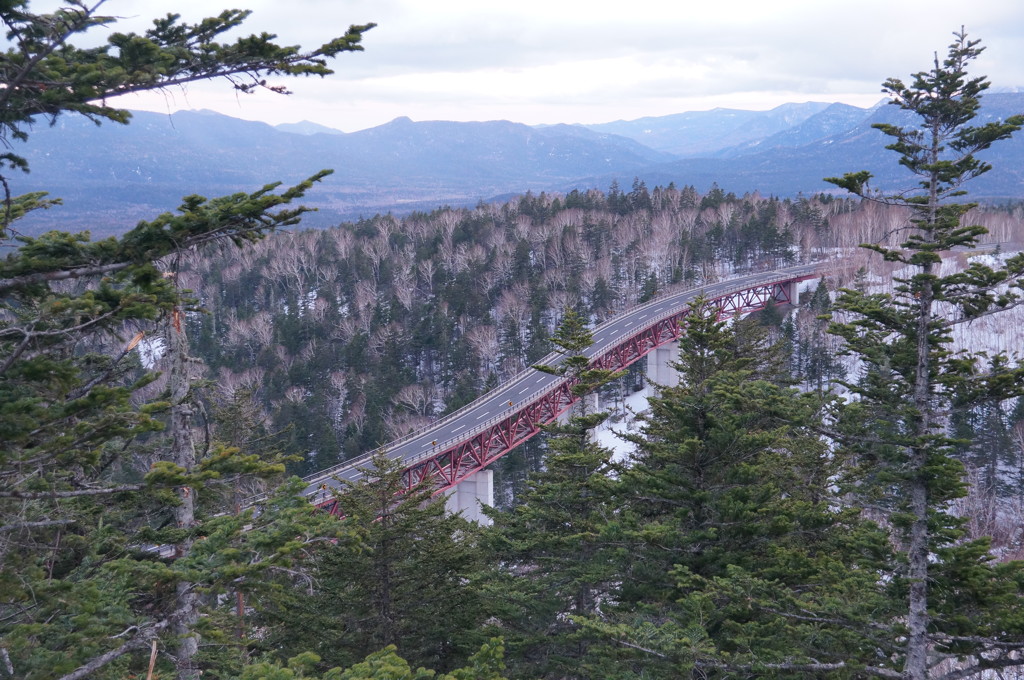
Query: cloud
pixel 593 60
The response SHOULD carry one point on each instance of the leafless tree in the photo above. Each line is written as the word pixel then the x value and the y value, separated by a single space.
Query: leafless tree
pixel 419 398
pixel 427 270
pixel 400 423
pixel 342 239
pixel 404 285
pixel 296 394
pixel 380 337
pixel 513 304
pixel 356 416
pixel 484 341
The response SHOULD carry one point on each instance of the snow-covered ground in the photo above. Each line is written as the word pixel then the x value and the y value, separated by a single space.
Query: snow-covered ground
pixel 623 418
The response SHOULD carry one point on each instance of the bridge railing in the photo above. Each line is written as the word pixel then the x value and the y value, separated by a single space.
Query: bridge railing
pixel 542 392
pixel 549 359
pixel 454 415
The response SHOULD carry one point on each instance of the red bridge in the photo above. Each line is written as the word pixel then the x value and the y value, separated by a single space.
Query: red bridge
pixel 468 440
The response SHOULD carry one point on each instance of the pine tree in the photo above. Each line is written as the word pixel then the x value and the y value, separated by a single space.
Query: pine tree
pixel 82 528
pixel 960 606
pixel 820 365
pixel 571 338
pixel 736 554
pixel 404 574
pixel 554 563
pixel 486 664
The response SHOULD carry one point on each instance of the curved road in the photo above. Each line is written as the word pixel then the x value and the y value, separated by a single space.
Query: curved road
pixel 528 385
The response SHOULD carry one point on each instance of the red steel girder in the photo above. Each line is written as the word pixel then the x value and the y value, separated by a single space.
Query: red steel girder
pixel 447 467
pixel 450 466
pixel 753 299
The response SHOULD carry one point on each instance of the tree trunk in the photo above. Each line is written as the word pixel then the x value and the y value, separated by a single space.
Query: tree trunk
pixel 918 618
pixel 183 453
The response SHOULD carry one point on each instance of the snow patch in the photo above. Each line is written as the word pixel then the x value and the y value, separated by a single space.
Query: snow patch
pixel 623 419
pixel 150 351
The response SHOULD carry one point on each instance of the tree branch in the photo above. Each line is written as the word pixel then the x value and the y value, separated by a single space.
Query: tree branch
pixel 975 317
pixel 978 668
pixel 812 667
pixel 61 275
pixel 43 495
pixel 15 526
pixel 141 640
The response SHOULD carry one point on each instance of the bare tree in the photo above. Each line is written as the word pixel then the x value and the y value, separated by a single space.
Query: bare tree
pixel 419 398
pixel 484 341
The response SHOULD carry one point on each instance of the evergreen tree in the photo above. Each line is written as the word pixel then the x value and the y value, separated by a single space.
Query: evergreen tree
pixel 960 608
pixel 571 338
pixel 85 584
pixel 737 557
pixel 554 565
pixel 404 574
pixel 486 664
pixel 820 364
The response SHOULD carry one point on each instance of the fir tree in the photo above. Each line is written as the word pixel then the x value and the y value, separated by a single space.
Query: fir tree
pixel 386 664
pixel 961 610
pixel 554 564
pixel 404 574
pixel 737 555
pixel 85 584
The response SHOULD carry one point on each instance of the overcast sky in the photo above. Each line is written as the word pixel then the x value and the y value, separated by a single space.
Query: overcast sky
pixel 592 61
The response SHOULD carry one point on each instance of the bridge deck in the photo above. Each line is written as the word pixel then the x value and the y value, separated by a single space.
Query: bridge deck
pixel 456 446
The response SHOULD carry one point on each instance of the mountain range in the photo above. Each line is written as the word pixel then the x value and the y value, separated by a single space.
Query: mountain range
pixel 111 176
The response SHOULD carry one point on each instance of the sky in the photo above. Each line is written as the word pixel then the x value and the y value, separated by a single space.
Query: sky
pixel 589 61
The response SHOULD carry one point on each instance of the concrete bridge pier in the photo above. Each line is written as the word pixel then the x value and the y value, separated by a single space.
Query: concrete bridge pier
pixel 591 401
pixel 659 369
pixel 469 495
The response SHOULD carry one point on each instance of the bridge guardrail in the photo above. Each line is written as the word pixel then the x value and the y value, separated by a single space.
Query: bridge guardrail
pixel 354 462
pixel 551 359
pixel 601 351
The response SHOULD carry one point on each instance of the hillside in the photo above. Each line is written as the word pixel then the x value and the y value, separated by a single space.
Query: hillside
pixel 352 336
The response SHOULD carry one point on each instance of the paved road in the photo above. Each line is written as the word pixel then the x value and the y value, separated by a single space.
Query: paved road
pixel 531 383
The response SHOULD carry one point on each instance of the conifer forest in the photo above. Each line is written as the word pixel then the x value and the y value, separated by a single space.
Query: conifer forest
pixel 833 489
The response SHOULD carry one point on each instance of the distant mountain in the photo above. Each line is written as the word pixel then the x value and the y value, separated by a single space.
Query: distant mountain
pixel 833 120
pixel 787 163
pixel 305 127
pixel 701 133
pixel 115 175
pixel 112 176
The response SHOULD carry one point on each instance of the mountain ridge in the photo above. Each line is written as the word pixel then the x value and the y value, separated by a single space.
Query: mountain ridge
pixel 119 175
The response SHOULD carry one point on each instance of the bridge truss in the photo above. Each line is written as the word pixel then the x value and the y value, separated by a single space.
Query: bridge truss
pixel 453 461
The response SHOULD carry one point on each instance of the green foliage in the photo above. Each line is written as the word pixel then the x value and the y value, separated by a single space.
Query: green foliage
pixel 571 338
pixel 898 428
pixel 92 496
pixel 403 574
pixel 486 664
pixel 554 562
pixel 735 553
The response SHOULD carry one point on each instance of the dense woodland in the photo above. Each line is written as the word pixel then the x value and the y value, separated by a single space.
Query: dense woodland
pixel 836 494
pixel 353 336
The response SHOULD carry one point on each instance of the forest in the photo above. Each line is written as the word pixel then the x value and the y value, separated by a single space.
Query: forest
pixel 350 337
pixel 831 492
